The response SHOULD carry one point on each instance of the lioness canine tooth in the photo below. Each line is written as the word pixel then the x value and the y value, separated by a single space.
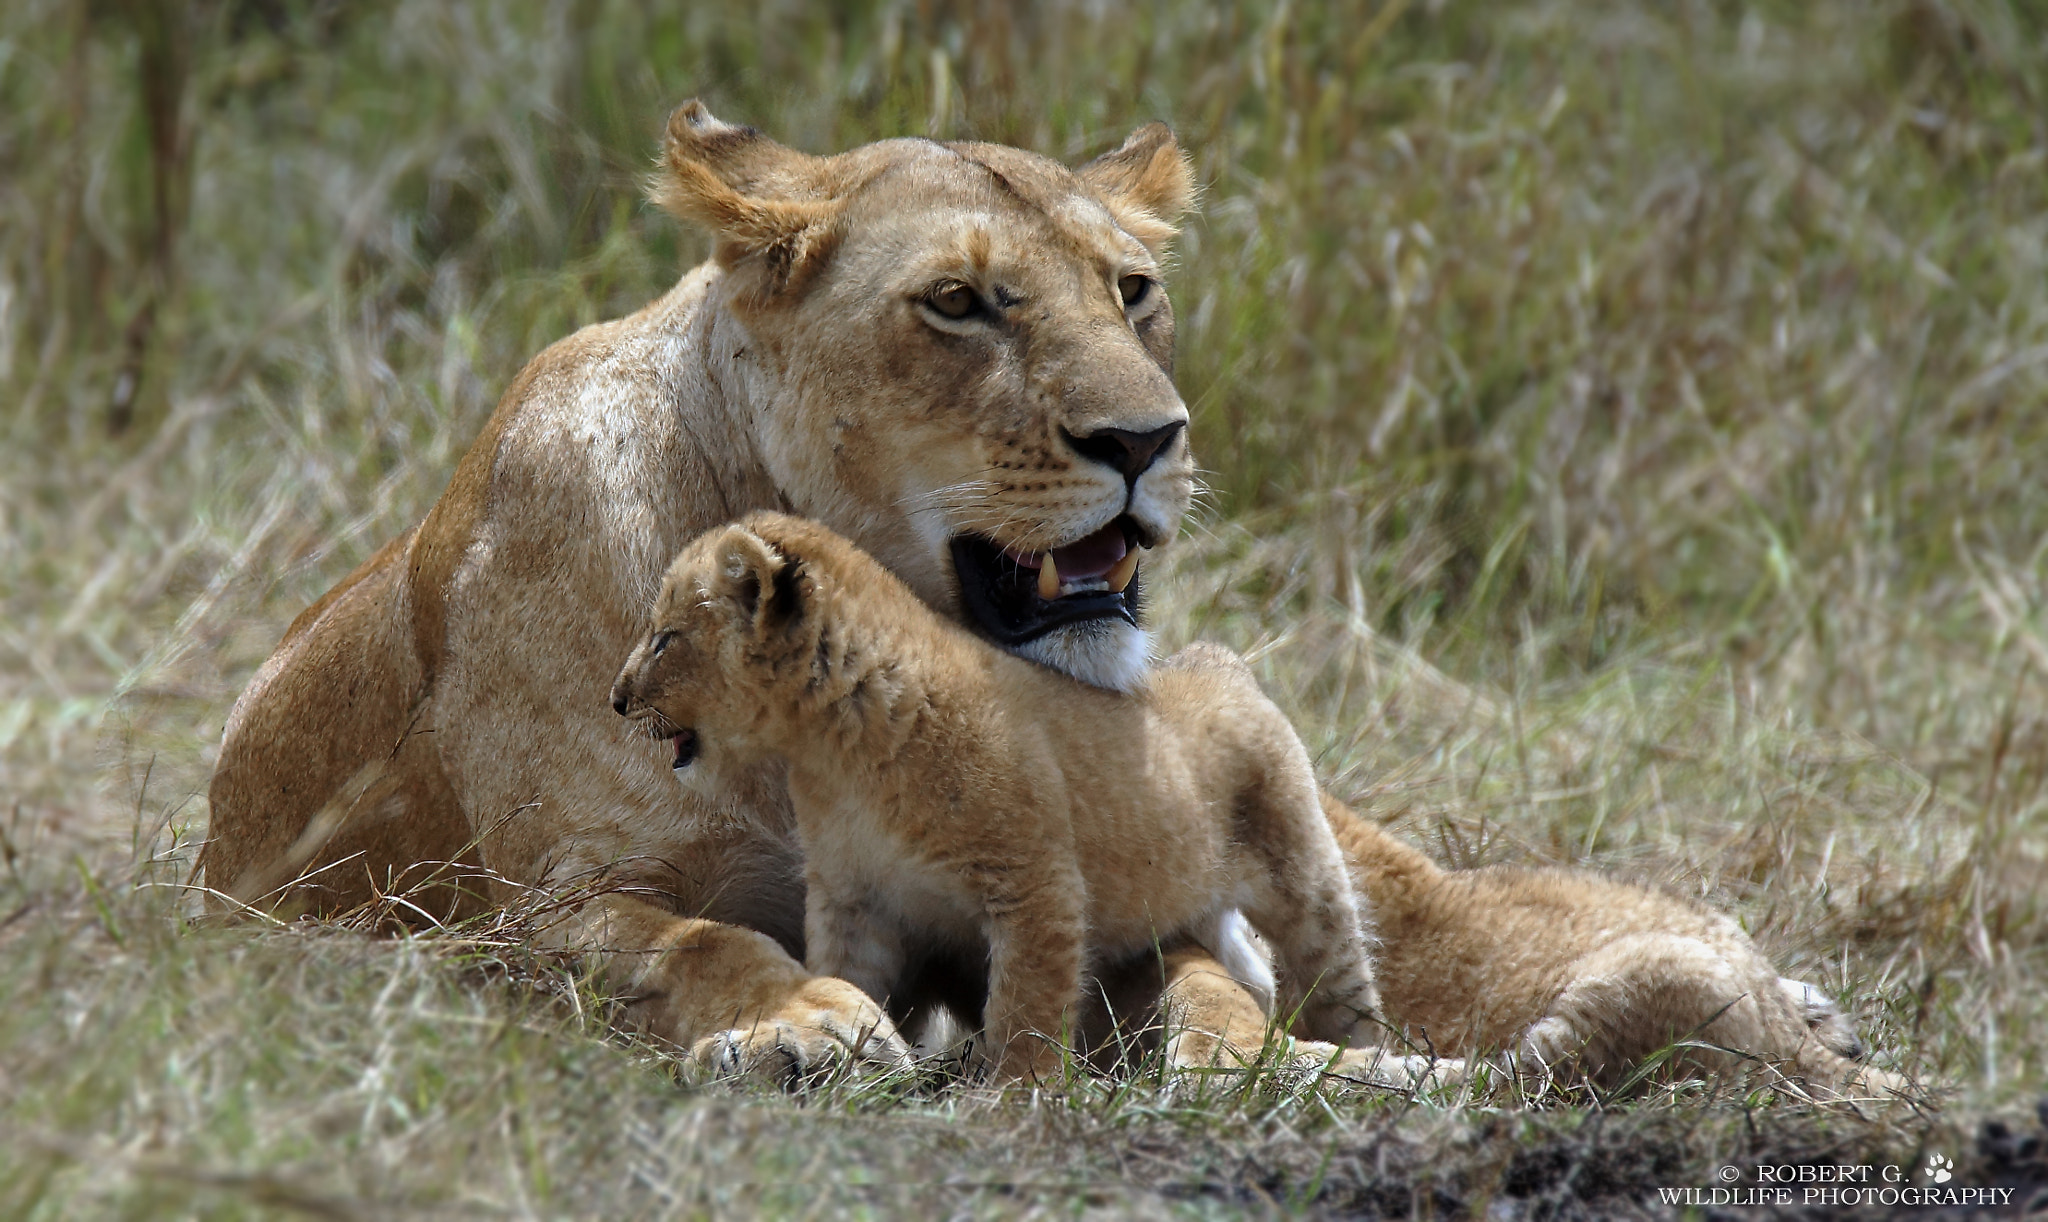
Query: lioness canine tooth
pixel 1120 575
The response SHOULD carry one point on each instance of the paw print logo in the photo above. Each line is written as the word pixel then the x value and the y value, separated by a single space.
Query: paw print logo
pixel 1938 1167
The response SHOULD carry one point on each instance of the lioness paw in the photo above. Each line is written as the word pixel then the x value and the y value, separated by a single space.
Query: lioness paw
pixel 824 1025
pixel 790 1055
pixel 1303 1063
pixel 1377 1067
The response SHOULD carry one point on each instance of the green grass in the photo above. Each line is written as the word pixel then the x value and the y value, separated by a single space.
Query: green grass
pixel 1624 426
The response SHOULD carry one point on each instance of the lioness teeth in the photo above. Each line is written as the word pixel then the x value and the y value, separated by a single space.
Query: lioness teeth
pixel 1125 569
pixel 1048 578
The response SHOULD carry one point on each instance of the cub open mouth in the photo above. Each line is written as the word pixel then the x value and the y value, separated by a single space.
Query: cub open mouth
pixel 1014 597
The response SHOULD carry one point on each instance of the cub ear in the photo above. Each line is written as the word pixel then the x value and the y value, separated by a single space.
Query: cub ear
pixel 759 581
pixel 1147 184
pixel 763 200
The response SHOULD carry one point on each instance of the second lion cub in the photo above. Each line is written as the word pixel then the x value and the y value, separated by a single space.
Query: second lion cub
pixel 959 803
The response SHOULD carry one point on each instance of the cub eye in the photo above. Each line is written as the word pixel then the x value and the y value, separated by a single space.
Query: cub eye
pixel 953 299
pixel 661 641
pixel 1134 289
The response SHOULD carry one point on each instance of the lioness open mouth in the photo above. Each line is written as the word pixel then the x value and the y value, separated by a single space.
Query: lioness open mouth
pixel 1015 597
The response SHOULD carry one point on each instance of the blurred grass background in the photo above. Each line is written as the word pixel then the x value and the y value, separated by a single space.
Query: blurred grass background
pixel 1625 425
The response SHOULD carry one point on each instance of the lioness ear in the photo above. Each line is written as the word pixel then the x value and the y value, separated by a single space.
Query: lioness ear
pixel 760 581
pixel 764 201
pixel 1146 185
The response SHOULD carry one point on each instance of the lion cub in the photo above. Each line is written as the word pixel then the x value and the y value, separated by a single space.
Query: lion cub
pixel 960 804
pixel 1583 973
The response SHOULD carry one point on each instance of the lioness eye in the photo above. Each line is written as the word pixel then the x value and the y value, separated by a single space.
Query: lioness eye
pixel 661 641
pixel 1133 289
pixel 953 300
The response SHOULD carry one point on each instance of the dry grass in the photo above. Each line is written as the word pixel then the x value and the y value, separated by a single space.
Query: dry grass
pixel 1625 424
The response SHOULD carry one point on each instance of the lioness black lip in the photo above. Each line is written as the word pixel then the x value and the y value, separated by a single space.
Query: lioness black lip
pixel 686 748
pixel 1001 598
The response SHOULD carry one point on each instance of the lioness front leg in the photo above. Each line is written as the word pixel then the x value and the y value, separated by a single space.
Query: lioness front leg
pixel 1034 977
pixel 730 996
pixel 1213 1022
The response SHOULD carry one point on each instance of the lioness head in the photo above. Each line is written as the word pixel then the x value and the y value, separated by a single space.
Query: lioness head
pixel 737 640
pixel 958 356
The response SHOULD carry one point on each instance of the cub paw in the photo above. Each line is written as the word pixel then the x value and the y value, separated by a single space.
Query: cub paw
pixel 1551 1041
pixel 1032 1060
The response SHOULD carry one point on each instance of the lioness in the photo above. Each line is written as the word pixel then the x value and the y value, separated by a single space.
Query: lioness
pixel 957 355
pixel 958 803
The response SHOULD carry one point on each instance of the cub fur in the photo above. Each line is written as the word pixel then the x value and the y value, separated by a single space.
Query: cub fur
pixel 1584 974
pixel 959 804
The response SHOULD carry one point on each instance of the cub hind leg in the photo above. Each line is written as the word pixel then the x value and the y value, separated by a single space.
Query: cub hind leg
pixel 1318 935
pixel 1300 890
pixel 1641 992
pixel 1301 898
pixel 1305 908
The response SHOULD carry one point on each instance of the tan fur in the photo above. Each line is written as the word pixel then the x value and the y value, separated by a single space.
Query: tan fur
pixel 1582 974
pixel 954 798
pixel 446 702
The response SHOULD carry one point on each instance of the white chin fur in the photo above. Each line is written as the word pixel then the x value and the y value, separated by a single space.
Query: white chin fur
pixel 1105 653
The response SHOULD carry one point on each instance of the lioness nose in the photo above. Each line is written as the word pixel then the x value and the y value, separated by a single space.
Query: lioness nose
pixel 1126 451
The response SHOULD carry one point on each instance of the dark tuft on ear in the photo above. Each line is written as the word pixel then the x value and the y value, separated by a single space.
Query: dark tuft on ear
pixel 1146 184
pixel 764 583
pixel 745 590
pixel 787 605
